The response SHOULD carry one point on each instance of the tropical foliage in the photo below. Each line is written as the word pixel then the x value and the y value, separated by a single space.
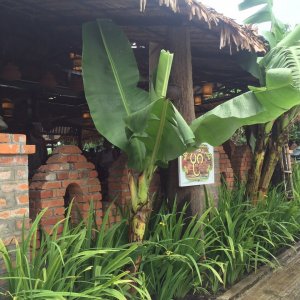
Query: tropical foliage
pixel 82 262
pixel 180 255
pixel 148 127
pixel 203 255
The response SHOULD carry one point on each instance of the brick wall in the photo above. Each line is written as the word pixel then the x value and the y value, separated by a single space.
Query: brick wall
pixel 241 160
pixel 66 175
pixel 225 168
pixel 14 201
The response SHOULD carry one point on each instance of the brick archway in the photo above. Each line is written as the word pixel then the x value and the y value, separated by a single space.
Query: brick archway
pixel 65 174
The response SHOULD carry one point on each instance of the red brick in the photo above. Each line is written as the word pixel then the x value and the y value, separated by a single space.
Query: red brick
pixel 19 224
pixel 51 221
pixel 94 188
pixel 5 175
pixel 19 138
pixel 4 214
pixel 5 160
pixel 93 181
pixel 58 193
pixel 21 160
pixel 7 188
pixel 66 183
pixel 22 186
pixel 83 173
pixel 54 167
pixel 19 211
pixel 55 202
pixel 57 158
pixel 62 175
pixel 94 196
pixel 68 149
pixel 59 211
pixel 84 165
pixel 93 174
pixel 28 149
pixel 76 158
pixel 49 229
pixel 9 149
pixel 21 173
pixel 2 202
pixel 22 199
pixel 83 206
pixel 48 185
pixel 41 194
pixel 44 176
pixel 75 175
pixel 4 138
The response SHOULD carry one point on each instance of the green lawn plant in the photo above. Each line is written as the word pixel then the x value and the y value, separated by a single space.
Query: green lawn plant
pixel 83 262
pixel 147 126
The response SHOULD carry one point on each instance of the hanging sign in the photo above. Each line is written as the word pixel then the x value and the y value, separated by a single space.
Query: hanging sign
pixel 197 168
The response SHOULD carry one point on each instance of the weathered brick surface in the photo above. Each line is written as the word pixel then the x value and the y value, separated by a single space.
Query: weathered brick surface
pixel 241 162
pixel 66 171
pixel 14 199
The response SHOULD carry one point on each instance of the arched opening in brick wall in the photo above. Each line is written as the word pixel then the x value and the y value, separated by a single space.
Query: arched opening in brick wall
pixel 66 175
pixel 73 195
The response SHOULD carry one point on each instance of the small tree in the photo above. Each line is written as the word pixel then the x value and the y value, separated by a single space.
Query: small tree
pixel 147 126
pixel 267 140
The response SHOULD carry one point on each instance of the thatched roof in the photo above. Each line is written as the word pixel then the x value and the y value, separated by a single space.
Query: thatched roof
pixel 231 33
pixel 38 36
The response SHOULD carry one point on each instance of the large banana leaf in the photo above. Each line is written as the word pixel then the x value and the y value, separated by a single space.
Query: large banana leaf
pixel 110 76
pixel 165 133
pixel 260 105
pixel 145 125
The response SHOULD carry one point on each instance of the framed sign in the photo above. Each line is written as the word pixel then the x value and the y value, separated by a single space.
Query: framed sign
pixel 197 168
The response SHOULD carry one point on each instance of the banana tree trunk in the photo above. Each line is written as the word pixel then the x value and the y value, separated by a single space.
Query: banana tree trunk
pixel 141 206
pixel 257 163
pixel 276 143
pixel 270 163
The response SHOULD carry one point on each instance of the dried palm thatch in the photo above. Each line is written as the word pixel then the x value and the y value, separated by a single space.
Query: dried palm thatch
pixel 231 33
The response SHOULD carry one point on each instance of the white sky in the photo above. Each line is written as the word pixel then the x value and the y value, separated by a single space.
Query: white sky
pixel 288 11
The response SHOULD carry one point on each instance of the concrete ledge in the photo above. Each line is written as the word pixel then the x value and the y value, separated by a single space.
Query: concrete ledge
pixel 245 284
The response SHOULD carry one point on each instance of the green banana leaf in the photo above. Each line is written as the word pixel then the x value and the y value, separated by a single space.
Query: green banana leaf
pixel 110 77
pixel 166 135
pixel 260 105
pixel 145 125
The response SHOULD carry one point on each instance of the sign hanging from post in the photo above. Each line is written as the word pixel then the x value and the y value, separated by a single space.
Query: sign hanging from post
pixel 197 168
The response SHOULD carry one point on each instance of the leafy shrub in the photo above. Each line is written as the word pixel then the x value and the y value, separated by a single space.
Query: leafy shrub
pixel 81 263
pixel 205 254
pixel 174 255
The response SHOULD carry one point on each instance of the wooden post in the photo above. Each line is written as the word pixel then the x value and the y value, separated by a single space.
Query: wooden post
pixel 181 92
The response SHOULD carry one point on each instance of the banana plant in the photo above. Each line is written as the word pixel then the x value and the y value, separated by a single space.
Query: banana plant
pixel 147 126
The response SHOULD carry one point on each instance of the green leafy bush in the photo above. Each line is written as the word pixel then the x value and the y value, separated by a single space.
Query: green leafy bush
pixel 83 262
pixel 209 253
pixel 180 255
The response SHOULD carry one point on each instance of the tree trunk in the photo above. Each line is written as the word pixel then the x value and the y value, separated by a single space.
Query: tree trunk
pixel 257 164
pixel 181 92
pixel 271 160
